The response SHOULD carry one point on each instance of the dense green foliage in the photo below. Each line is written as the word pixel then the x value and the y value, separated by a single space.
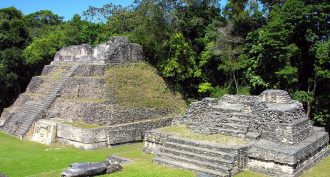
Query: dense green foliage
pixel 200 49
pixel 14 37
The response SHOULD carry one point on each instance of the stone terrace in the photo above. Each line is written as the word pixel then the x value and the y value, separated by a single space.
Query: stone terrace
pixel 282 140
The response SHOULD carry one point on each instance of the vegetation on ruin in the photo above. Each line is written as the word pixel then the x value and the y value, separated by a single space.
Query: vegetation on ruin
pixel 82 124
pixel 57 73
pixel 25 158
pixel 138 85
pixel 86 100
pixel 184 132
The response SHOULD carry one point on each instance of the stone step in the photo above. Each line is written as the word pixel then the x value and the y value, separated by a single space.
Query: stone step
pixel 216 162
pixel 226 110
pixel 189 166
pixel 229 149
pixel 199 163
pixel 233 114
pixel 30 111
pixel 198 150
pixel 231 132
pixel 232 126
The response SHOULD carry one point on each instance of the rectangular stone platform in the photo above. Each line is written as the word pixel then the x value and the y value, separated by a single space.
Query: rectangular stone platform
pixel 49 131
pixel 288 160
pixel 215 159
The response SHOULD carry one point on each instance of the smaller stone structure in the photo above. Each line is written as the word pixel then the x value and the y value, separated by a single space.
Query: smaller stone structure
pixel 283 141
pixel 201 156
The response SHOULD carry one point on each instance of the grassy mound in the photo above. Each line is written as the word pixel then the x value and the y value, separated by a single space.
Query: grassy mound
pixel 138 85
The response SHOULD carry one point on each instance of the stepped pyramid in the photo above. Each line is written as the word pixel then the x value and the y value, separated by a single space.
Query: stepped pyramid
pixel 75 99
pixel 281 140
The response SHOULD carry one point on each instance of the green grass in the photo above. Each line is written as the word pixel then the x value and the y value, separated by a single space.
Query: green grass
pixel 24 158
pixel 86 100
pixel 183 131
pixel 138 85
pixel 57 73
pixel 82 124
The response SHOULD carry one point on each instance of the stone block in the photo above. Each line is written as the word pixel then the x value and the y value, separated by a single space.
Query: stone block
pixel 44 132
pixel 90 70
pixel 74 53
pixel 118 50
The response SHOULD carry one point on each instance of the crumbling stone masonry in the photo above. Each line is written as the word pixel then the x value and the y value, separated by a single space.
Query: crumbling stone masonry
pixel 282 140
pixel 73 89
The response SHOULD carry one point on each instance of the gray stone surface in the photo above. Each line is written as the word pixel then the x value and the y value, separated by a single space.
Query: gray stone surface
pixel 2 175
pixel 75 53
pixel 90 169
pixel 118 50
pixel 201 156
pixel 283 141
pixel 108 135
pixel 115 50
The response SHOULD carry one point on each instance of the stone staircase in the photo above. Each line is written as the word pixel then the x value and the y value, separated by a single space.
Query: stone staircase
pixel 203 157
pixel 19 123
pixel 232 123
pixel 230 120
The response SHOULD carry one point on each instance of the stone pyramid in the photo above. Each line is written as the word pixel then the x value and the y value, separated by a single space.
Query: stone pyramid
pixel 74 103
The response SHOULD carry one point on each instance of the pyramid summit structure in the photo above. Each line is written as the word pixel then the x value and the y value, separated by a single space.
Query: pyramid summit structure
pixel 76 100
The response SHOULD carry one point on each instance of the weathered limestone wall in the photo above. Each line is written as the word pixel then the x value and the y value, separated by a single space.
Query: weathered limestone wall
pixel 44 131
pixel 100 113
pixel 50 131
pixel 285 160
pixel 85 87
pixel 90 70
pixel 200 156
pixel 112 51
pixel 115 50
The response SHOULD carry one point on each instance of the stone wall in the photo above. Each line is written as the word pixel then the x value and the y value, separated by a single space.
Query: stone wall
pixel 115 50
pixel 284 160
pixel 94 138
pixel 90 70
pixel 101 113
pixel 201 156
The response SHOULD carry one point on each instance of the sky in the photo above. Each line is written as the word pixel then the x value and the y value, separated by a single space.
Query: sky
pixel 64 8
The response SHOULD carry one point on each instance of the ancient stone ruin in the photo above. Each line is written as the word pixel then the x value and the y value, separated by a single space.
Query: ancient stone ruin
pixel 73 88
pixel 280 138
pixel 269 133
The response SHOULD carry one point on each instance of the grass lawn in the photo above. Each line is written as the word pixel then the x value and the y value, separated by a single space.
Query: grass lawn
pixel 24 158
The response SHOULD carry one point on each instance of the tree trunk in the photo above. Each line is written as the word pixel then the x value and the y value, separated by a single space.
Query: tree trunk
pixel 309 109
pixel 236 82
